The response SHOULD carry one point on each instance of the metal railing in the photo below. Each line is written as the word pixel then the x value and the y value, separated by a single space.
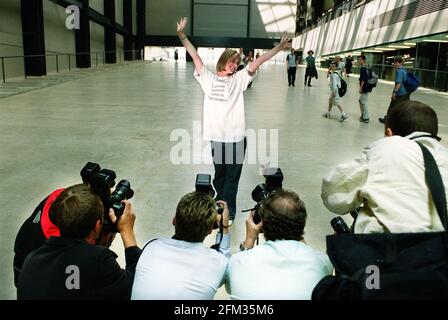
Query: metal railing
pixel 96 59
pixel 334 13
pixel 431 79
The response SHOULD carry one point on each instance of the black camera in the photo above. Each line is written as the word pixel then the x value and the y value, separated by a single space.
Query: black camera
pixel 101 181
pixel 273 181
pixel 203 184
pixel 339 226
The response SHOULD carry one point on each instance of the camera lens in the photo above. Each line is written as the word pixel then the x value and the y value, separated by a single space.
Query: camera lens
pixel 339 225
pixel 122 191
pixel 259 193
pixel 219 208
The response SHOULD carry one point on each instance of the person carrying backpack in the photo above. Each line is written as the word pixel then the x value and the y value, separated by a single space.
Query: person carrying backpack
pixel 364 88
pixel 337 90
pixel 400 93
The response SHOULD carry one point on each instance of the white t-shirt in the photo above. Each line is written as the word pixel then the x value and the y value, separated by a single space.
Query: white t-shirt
pixel 335 82
pixel 223 113
pixel 282 269
pixel 170 269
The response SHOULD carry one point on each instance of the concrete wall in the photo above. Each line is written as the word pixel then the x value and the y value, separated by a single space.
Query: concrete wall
pixel 120 48
pixel 97 5
pixel 58 39
pixel 119 11
pixel 134 17
pixel 11 43
pixel 223 18
pixel 96 42
pixel 351 31
pixel 220 18
pixel 161 16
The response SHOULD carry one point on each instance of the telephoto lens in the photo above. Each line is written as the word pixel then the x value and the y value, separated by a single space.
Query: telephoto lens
pixel 122 192
pixel 339 225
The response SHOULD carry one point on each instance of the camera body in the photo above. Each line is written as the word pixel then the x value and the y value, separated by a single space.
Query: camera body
pixel 264 190
pixel 101 181
pixel 203 184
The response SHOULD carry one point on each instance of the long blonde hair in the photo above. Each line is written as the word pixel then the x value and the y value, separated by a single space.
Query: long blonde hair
pixel 225 57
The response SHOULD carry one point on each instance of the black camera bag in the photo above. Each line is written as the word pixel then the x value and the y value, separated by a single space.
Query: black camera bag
pixel 411 265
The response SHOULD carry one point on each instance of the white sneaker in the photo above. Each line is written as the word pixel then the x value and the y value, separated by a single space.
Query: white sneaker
pixel 230 222
pixel 327 115
pixel 343 117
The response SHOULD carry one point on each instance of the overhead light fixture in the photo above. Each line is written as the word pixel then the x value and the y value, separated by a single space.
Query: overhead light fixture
pixel 385 49
pixel 442 41
pixel 400 47
pixel 410 43
pixel 374 51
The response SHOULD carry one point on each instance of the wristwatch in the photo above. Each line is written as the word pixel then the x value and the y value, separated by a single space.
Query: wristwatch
pixel 242 247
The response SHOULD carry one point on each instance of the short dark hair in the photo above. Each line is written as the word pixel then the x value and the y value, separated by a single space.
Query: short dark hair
pixel 77 210
pixel 284 216
pixel 410 116
pixel 363 58
pixel 398 59
pixel 195 216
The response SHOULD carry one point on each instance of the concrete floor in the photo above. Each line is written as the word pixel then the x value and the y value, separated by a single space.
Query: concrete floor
pixel 123 120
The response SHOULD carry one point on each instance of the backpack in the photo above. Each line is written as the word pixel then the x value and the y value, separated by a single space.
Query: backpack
pixel 343 89
pixel 372 78
pixel 411 83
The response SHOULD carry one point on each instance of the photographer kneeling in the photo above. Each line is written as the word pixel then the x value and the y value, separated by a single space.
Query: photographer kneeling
pixel 72 266
pixel 389 177
pixel 398 246
pixel 182 267
pixel 284 267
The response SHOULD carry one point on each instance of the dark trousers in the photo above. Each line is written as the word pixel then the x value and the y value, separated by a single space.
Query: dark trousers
pixel 228 160
pixel 292 75
pixel 398 99
pixel 308 77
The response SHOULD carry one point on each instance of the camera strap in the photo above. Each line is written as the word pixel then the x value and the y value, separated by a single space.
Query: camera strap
pixel 221 230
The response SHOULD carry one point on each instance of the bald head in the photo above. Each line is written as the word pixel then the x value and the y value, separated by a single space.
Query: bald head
pixel 284 216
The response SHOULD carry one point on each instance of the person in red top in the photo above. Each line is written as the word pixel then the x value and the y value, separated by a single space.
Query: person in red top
pixel 38 228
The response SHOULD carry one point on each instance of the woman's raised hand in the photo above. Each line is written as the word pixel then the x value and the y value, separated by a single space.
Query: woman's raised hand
pixel 182 24
pixel 286 42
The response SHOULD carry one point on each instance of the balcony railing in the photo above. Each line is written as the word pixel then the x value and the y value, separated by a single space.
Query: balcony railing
pixel 56 62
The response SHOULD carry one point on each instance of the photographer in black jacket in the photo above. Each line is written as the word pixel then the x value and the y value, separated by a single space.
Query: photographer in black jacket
pixel 71 266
